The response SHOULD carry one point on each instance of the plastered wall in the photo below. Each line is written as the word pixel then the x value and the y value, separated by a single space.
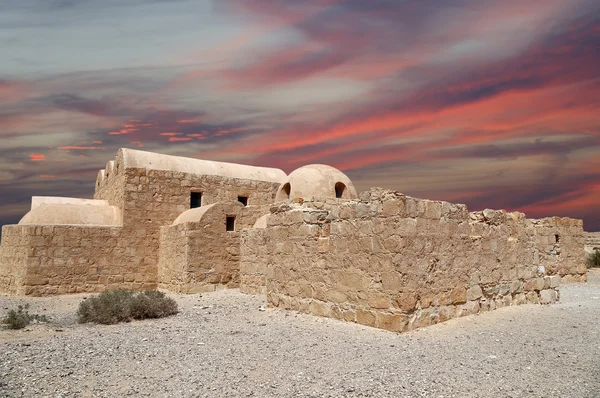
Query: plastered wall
pixel 396 262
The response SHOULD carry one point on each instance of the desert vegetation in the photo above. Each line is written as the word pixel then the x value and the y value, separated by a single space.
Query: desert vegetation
pixel 114 306
pixel 19 318
pixel 593 259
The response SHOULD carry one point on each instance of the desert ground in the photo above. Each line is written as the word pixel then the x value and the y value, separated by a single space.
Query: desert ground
pixel 225 344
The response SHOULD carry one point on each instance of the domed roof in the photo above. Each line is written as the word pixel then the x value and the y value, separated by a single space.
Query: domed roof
pixel 316 181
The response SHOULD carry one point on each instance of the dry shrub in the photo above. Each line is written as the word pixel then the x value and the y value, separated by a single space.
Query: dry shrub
pixel 114 306
pixel 21 317
pixel 593 259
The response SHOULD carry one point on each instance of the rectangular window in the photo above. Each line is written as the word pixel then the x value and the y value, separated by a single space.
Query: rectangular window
pixel 243 200
pixel 230 223
pixel 195 200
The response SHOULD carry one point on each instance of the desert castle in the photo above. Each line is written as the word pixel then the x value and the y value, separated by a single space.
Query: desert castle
pixel 306 240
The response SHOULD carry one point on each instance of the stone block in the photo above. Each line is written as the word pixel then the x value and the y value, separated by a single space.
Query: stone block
pixel 474 293
pixel 365 317
pixel 392 322
pixel 548 296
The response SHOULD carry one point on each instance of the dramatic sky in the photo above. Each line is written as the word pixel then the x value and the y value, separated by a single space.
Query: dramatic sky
pixel 492 103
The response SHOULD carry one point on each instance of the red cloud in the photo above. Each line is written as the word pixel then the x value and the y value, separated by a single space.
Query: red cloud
pixel 37 157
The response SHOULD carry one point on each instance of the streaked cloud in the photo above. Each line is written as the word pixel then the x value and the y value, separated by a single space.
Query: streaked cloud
pixel 490 103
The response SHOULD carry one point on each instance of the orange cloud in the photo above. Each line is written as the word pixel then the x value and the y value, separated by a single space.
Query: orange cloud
pixel 175 139
pixel 37 157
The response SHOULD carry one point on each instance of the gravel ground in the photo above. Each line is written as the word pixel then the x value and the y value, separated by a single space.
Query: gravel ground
pixel 223 344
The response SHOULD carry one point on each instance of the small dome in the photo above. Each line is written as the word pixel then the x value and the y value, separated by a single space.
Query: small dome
pixel 316 181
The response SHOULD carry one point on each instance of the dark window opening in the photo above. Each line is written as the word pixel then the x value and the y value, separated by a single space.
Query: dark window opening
pixel 287 188
pixel 557 238
pixel 283 193
pixel 243 200
pixel 339 189
pixel 195 200
pixel 230 223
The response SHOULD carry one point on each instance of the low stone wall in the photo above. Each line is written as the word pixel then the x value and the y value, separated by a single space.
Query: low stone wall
pixel 396 262
pixel 592 240
pixel 558 243
pixel 51 260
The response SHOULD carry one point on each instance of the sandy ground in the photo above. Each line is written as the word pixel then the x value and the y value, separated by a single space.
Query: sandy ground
pixel 223 345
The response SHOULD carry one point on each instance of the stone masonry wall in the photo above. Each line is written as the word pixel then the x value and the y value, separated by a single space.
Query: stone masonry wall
pixel 75 259
pixel 202 256
pixel 253 264
pixel 14 252
pixel 155 198
pixel 559 246
pixel 396 262
pixel 592 240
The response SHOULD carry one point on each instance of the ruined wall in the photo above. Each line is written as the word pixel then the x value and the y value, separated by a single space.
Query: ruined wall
pixel 203 256
pixel 74 259
pixel 397 262
pixel 592 240
pixel 558 243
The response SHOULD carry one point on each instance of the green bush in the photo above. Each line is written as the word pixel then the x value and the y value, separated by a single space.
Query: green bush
pixel 21 317
pixel 114 306
pixel 593 259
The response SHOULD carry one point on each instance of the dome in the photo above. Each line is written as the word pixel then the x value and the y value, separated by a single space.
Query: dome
pixel 316 181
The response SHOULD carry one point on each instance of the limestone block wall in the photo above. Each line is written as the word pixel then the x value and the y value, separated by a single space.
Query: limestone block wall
pixel 14 251
pixel 559 242
pixel 74 259
pixel 253 267
pixel 592 240
pixel 397 263
pixel 155 198
pixel 201 256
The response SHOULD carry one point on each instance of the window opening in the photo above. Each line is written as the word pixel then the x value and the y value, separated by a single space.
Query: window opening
pixel 230 223
pixel 243 200
pixel 339 189
pixel 195 200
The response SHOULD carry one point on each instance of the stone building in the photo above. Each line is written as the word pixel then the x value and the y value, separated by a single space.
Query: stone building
pixel 308 241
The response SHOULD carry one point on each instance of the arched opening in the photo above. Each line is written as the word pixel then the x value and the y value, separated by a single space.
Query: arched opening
pixel 340 187
pixel 284 192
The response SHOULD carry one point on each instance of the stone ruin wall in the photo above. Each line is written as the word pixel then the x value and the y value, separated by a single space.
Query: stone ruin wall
pixel 197 257
pixel 592 240
pixel 399 263
pixel 558 247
